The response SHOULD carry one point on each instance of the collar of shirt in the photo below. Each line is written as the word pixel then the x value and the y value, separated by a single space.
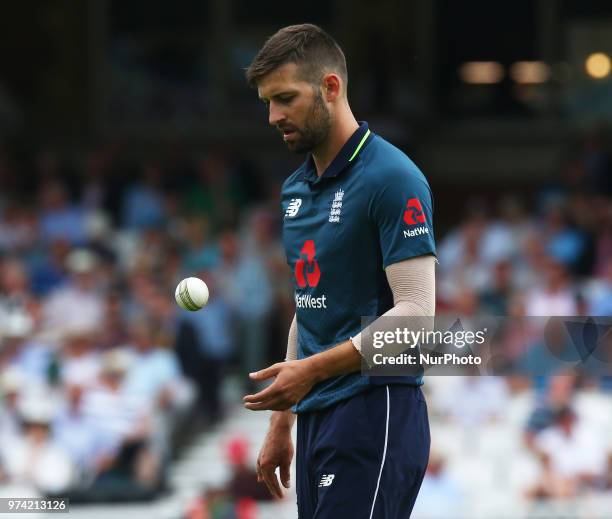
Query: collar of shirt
pixel 345 156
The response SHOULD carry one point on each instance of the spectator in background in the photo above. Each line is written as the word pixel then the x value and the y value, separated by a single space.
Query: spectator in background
pixel 153 247
pixel 141 288
pixel 18 227
pixel 143 203
pixel 34 457
pixel 113 331
pixel 77 434
pixel 101 238
pixel 126 463
pixel 79 303
pixel 550 484
pixel 154 373
pixel 440 494
pixel 600 293
pixel 558 394
pixel 201 253
pixel 79 360
pixel 225 273
pixel 237 498
pixel 531 264
pixel 11 385
pixel 514 335
pixel 552 352
pixel 254 286
pixel 462 261
pixel 14 286
pixel 58 217
pixel 575 449
pixel 555 295
pixel 478 400
pixel 230 285
pixel 495 299
pixel 243 480
pixel 564 244
pixel 49 268
pixel 516 220
pixel 503 237
pixel 20 352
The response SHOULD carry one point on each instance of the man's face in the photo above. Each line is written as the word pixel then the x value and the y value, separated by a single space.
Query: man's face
pixel 296 108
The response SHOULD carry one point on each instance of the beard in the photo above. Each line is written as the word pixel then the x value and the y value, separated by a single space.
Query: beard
pixel 315 130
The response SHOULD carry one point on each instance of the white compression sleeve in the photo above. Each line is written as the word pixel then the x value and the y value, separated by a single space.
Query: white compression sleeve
pixel 413 283
pixel 292 340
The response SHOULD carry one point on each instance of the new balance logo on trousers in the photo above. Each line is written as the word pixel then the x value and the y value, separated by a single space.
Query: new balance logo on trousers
pixel 326 480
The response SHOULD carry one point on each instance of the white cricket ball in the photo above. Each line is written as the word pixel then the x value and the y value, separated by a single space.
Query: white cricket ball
pixel 191 294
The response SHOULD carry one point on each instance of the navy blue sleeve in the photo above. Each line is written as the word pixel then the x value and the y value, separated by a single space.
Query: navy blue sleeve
pixel 401 208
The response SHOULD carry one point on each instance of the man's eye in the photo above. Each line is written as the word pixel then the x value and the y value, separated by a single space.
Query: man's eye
pixel 285 99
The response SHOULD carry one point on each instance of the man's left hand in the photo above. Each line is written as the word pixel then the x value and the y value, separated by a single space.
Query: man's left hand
pixel 294 379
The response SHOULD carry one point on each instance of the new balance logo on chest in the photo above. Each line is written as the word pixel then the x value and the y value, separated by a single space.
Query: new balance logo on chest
pixel 293 207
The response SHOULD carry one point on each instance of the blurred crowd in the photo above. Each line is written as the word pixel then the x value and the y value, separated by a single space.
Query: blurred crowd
pixel 548 252
pixel 543 431
pixel 100 371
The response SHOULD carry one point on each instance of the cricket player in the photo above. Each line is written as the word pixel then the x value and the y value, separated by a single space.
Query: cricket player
pixel 359 239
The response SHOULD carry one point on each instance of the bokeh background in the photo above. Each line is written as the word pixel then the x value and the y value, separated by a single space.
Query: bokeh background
pixel 132 154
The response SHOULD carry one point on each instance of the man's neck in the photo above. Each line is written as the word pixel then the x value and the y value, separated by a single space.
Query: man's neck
pixel 345 126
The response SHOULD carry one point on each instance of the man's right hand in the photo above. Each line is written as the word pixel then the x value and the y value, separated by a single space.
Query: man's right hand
pixel 276 451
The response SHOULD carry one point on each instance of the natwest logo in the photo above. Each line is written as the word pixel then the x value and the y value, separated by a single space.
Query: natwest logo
pixel 307 271
pixel 308 301
pixel 414 212
pixel 409 233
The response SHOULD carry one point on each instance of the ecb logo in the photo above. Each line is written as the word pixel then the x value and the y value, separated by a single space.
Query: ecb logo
pixel 414 212
pixel 307 272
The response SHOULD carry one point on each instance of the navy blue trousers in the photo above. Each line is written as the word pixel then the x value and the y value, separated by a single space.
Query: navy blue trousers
pixel 364 457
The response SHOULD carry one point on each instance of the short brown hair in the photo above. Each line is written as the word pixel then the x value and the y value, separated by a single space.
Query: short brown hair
pixel 306 45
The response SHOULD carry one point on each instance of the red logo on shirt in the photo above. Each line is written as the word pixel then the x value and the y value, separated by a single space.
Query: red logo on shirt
pixel 307 272
pixel 414 212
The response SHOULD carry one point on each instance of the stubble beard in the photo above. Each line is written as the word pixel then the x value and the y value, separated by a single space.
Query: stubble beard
pixel 316 128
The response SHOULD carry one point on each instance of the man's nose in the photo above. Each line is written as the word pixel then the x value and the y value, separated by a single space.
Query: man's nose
pixel 275 115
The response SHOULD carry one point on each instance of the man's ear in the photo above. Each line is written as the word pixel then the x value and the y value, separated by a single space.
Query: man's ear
pixel 331 86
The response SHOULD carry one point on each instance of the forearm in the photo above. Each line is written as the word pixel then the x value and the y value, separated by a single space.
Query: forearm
pixel 343 358
pixel 335 361
pixel 339 360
